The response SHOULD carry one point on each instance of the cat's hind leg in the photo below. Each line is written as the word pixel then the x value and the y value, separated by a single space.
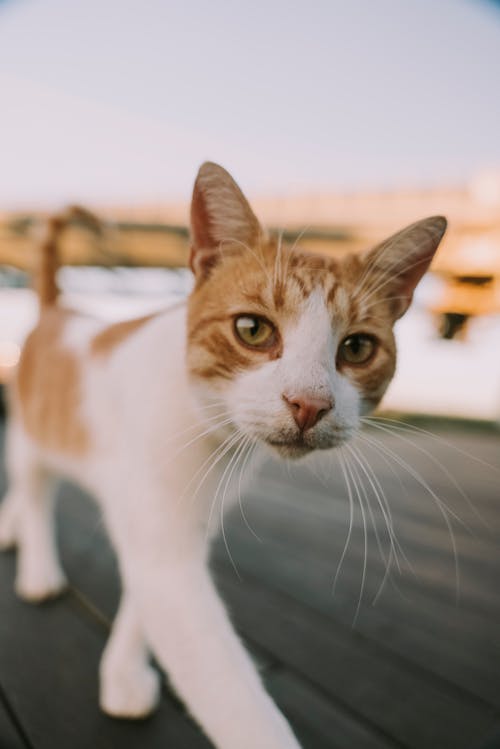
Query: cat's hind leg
pixel 10 500
pixel 27 520
pixel 8 524
pixel 129 685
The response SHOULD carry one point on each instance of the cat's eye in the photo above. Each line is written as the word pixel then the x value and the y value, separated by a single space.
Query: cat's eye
pixel 255 331
pixel 357 349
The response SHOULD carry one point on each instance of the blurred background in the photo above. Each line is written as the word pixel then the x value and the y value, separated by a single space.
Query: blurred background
pixel 342 122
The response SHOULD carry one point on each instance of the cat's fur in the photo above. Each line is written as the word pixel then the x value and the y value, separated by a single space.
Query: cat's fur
pixel 135 411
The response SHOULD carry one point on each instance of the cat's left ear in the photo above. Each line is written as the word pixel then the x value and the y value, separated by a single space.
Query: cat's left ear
pixel 221 218
pixel 397 264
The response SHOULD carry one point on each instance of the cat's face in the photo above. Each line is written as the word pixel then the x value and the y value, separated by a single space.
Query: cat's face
pixel 294 348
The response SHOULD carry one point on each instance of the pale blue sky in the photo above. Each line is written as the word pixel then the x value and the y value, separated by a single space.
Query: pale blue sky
pixel 120 100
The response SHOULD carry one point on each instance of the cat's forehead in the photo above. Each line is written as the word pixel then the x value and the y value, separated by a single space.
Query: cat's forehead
pixel 286 279
pixel 278 281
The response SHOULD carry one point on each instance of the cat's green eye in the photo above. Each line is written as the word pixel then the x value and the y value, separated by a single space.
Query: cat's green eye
pixel 254 331
pixel 357 349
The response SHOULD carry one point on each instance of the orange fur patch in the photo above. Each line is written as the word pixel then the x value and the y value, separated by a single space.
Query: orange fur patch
pixel 48 387
pixel 108 339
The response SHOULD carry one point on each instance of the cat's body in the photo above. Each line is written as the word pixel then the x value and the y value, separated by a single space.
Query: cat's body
pixel 274 347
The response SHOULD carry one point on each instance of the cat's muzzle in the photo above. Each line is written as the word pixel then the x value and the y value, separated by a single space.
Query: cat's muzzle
pixel 300 443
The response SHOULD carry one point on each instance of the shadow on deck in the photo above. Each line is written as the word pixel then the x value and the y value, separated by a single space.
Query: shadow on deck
pixel 410 660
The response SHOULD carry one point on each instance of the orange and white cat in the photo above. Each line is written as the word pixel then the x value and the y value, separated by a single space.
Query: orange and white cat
pixel 274 346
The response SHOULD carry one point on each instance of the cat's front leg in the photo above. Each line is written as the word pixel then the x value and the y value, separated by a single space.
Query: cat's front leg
pixel 189 632
pixel 129 685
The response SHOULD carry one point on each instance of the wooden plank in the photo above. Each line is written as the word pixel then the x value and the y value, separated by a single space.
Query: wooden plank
pixel 319 724
pixel 329 495
pixel 428 547
pixel 317 530
pixel 320 541
pixel 411 504
pixel 491 742
pixel 351 674
pixel 452 646
pixel 442 470
pixel 49 659
pixel 314 535
pixel 11 734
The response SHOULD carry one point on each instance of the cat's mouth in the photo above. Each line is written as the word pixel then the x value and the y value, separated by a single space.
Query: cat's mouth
pixel 298 445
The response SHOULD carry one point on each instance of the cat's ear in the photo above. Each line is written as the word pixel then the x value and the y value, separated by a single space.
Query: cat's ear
pixel 393 268
pixel 220 215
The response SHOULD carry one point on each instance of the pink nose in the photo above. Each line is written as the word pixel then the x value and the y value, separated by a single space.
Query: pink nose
pixel 307 410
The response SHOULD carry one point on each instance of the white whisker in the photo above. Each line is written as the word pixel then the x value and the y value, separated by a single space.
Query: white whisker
pixel 365 541
pixel 387 560
pixel 251 449
pixel 213 428
pixel 238 438
pixel 351 519
pixel 436 462
pixel 215 456
pixel 443 508
pixel 427 433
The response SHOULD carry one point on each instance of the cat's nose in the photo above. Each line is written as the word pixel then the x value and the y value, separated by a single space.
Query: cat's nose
pixel 307 410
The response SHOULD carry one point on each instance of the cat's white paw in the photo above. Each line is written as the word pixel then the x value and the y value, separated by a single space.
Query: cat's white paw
pixel 7 526
pixel 133 693
pixel 40 583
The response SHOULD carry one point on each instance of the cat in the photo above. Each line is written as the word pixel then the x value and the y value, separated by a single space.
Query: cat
pixel 274 346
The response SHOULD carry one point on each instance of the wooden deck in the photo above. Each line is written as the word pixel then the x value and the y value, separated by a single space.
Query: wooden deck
pixel 419 667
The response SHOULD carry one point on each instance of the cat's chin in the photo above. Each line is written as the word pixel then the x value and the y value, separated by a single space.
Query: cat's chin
pixel 290 450
pixel 299 448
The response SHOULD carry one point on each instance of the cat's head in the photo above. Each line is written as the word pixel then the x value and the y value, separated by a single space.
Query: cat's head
pixel 292 348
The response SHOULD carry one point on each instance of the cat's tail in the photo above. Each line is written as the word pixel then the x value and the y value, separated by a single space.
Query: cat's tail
pixel 49 255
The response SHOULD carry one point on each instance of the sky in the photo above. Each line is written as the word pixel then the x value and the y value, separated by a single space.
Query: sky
pixel 121 100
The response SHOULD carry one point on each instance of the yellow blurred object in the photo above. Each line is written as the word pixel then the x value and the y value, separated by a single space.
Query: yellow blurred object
pixel 469 298
pixel 469 252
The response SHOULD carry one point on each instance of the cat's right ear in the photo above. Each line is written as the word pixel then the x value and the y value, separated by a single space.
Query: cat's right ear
pixel 220 215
